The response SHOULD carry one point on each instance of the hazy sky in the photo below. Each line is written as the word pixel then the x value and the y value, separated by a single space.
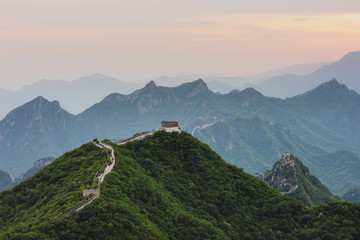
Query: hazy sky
pixel 132 40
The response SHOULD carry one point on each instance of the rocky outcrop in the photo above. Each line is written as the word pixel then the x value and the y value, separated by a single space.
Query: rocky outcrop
pixel 290 176
pixel 283 175
pixel 42 162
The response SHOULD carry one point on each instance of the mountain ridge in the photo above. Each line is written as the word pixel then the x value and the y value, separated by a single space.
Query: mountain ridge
pixel 168 185
pixel 345 70
pixel 193 105
pixel 75 96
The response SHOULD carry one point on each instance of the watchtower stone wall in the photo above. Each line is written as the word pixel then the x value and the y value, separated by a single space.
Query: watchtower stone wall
pixel 95 192
pixel 169 124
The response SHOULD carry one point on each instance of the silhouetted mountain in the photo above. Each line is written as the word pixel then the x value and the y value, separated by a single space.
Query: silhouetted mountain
pixel 296 69
pixel 75 96
pixel 346 70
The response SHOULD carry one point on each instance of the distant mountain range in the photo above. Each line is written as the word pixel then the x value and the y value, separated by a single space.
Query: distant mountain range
pixel 346 70
pixel 75 96
pixel 78 95
pixel 245 127
pixel 296 69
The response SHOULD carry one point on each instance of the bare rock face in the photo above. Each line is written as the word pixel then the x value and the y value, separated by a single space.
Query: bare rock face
pixel 290 176
pixel 40 163
pixel 283 175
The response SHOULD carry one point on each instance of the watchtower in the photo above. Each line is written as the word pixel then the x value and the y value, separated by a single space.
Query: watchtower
pixel 286 156
pixel 169 124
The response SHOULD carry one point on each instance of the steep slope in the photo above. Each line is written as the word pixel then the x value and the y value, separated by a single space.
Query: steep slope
pixel 290 176
pixel 52 191
pixel 346 70
pixel 168 186
pixel 36 129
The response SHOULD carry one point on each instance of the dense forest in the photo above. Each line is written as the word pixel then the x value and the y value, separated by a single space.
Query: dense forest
pixel 167 186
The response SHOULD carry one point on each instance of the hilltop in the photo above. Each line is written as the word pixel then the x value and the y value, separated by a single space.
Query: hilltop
pixel 290 176
pixel 166 186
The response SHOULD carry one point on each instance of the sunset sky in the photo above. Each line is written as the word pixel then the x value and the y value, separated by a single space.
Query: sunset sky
pixel 134 40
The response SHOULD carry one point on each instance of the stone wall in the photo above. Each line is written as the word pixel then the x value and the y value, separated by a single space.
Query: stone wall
pixel 87 192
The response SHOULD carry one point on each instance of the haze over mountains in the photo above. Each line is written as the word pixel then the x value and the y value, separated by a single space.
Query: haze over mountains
pixel 75 96
pixel 42 128
pixel 78 95
pixel 346 70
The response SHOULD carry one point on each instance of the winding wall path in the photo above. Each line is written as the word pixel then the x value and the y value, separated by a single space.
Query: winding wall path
pixel 100 180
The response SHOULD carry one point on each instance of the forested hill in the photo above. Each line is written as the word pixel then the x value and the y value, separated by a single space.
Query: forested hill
pixel 167 186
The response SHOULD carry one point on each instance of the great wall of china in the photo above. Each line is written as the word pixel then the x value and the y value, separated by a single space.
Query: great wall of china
pixel 168 126
pixel 95 192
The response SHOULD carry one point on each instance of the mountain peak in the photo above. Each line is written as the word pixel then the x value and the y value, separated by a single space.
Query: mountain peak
pixel 200 85
pixel 251 90
pixel 328 89
pixel 351 56
pixel 191 89
pixel 331 82
pixel 290 176
pixel 151 84
pixel 40 101
pixel 332 85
